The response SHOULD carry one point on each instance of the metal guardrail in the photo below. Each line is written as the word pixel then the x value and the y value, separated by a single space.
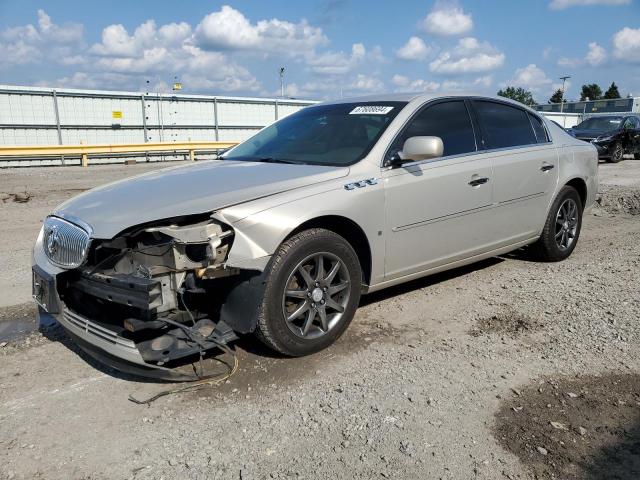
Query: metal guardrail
pixel 101 149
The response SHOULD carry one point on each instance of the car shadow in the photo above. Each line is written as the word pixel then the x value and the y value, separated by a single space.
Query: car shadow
pixel 249 345
pixel 620 460
pixel 428 281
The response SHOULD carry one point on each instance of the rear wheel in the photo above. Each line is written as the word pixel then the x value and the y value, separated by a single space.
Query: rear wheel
pixel 312 293
pixel 617 153
pixel 562 227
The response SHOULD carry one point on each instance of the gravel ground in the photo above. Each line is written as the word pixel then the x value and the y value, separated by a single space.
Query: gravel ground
pixel 438 378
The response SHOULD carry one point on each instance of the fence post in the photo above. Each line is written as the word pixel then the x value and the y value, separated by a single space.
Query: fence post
pixel 215 117
pixel 84 157
pixel 57 115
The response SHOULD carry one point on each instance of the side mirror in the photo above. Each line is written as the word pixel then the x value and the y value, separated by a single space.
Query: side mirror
pixel 421 148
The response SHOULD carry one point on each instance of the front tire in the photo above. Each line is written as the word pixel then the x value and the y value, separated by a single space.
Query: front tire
pixel 312 291
pixel 562 227
pixel 617 153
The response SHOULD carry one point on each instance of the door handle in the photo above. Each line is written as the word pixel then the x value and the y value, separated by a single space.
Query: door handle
pixel 478 181
pixel 546 167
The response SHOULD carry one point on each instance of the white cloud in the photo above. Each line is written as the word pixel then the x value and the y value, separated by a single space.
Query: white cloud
pixel 45 41
pixel 414 49
pixel 418 85
pixel 229 29
pixel 447 18
pixel 562 4
pixel 365 83
pixel 531 78
pixel 569 62
pixel 336 63
pixel 626 44
pixel 468 56
pixel 596 55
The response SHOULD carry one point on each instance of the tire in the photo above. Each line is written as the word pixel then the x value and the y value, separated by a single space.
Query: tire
pixel 617 153
pixel 289 292
pixel 636 156
pixel 562 228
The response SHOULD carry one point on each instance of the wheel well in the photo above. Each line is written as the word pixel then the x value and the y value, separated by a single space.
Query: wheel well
pixel 581 187
pixel 350 231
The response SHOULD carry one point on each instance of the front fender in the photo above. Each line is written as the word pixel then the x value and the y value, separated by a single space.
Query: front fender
pixel 258 235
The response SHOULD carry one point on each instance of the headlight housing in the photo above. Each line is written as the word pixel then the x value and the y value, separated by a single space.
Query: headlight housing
pixel 603 138
pixel 65 244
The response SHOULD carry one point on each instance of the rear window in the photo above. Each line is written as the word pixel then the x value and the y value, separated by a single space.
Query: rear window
pixel 538 129
pixel 504 125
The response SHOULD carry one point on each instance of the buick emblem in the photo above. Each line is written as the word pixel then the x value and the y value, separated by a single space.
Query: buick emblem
pixel 53 240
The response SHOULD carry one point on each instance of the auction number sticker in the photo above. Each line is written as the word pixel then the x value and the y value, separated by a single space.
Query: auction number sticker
pixel 371 110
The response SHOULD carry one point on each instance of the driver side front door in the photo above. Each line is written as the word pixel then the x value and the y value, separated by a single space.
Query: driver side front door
pixel 440 210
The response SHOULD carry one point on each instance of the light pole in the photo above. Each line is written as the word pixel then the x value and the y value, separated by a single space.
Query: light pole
pixel 564 79
pixel 282 82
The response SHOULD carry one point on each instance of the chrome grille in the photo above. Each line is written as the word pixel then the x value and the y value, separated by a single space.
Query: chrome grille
pixel 64 243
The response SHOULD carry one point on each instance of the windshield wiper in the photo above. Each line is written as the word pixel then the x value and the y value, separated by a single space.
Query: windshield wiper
pixel 277 160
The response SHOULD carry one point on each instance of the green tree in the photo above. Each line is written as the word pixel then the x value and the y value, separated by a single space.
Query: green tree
pixel 557 97
pixel 518 94
pixel 612 92
pixel 591 91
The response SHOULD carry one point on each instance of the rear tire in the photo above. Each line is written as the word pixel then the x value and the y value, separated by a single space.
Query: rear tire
pixel 312 291
pixel 562 227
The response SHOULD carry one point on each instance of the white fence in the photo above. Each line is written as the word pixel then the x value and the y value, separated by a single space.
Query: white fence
pixel 46 116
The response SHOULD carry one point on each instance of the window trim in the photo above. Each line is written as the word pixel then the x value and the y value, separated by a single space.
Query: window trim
pixel 473 100
pixel 430 103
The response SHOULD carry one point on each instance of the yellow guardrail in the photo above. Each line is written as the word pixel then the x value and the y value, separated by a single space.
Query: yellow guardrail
pixel 85 150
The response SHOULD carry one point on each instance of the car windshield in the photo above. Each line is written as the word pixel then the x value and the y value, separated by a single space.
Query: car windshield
pixel 338 134
pixel 600 123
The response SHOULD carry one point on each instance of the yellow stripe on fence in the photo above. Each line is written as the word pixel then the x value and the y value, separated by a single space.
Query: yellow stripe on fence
pixel 85 150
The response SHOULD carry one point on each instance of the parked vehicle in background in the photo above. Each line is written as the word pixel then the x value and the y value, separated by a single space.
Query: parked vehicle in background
pixel 282 235
pixel 613 135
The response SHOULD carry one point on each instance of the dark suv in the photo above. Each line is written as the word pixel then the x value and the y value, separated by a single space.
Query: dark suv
pixel 613 135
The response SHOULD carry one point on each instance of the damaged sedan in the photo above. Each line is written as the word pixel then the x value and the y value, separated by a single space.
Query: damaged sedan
pixel 282 235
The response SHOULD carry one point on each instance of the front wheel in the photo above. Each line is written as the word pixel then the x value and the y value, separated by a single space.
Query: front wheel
pixel 562 227
pixel 617 153
pixel 312 291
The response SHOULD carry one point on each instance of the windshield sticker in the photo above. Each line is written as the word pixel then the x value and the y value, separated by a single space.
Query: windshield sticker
pixel 371 110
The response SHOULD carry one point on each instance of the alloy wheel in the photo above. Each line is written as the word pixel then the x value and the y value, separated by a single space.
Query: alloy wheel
pixel 566 224
pixel 316 295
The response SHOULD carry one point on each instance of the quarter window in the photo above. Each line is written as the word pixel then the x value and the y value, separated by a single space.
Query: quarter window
pixel 538 129
pixel 504 126
pixel 448 120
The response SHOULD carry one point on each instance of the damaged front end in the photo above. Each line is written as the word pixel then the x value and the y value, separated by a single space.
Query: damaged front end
pixel 149 299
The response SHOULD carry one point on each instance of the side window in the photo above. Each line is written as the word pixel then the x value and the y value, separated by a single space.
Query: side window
pixel 448 120
pixel 504 125
pixel 538 129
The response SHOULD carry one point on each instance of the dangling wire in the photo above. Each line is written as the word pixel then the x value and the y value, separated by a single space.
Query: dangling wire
pixel 208 380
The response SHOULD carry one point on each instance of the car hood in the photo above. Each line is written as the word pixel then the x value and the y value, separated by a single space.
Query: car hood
pixel 187 190
pixel 591 133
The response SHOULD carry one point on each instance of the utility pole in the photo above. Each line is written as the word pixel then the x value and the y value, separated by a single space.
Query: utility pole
pixel 282 82
pixel 564 79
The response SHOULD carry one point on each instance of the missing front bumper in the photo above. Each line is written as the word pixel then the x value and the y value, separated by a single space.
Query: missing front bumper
pixel 147 358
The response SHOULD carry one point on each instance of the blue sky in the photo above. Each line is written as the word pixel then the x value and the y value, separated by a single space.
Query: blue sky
pixel 330 48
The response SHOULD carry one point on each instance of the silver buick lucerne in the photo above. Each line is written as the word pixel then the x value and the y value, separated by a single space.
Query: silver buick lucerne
pixel 282 235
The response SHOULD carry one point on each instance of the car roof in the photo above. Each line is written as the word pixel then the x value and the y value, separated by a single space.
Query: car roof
pixel 420 98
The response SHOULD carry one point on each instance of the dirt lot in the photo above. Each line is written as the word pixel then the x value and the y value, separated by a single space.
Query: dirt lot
pixel 505 369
